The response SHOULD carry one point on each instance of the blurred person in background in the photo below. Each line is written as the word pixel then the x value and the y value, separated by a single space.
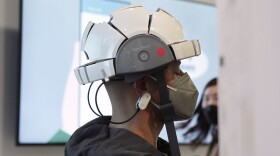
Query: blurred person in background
pixel 202 128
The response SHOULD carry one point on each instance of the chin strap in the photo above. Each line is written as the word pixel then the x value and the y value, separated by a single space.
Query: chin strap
pixel 167 113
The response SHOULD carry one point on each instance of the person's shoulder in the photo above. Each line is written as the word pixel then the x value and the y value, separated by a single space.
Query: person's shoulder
pixel 97 138
pixel 89 134
pixel 95 129
pixel 119 142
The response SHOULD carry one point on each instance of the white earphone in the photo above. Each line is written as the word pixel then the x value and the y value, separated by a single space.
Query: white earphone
pixel 143 101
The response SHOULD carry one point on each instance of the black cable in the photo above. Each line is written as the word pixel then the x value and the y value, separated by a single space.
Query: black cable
pixel 96 105
pixel 89 100
pixel 137 110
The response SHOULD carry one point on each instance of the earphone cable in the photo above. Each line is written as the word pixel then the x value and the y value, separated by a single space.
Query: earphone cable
pixel 113 122
pixel 89 100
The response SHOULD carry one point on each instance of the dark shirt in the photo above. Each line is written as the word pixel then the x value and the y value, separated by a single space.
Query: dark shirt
pixel 96 138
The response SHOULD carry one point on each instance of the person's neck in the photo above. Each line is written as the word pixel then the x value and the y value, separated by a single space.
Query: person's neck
pixel 145 125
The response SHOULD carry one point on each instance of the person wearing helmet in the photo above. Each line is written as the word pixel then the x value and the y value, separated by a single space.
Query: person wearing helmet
pixel 137 57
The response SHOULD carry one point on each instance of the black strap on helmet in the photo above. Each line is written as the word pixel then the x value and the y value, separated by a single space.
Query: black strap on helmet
pixel 167 113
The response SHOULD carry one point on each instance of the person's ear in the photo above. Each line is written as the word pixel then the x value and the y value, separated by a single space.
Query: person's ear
pixel 140 87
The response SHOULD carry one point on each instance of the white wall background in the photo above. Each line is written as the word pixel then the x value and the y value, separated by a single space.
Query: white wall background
pixel 248 42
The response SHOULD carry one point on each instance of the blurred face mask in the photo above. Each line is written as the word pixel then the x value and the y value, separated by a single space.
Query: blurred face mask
pixel 183 95
pixel 211 114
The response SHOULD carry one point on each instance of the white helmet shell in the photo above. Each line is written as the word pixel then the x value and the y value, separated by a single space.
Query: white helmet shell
pixel 132 42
